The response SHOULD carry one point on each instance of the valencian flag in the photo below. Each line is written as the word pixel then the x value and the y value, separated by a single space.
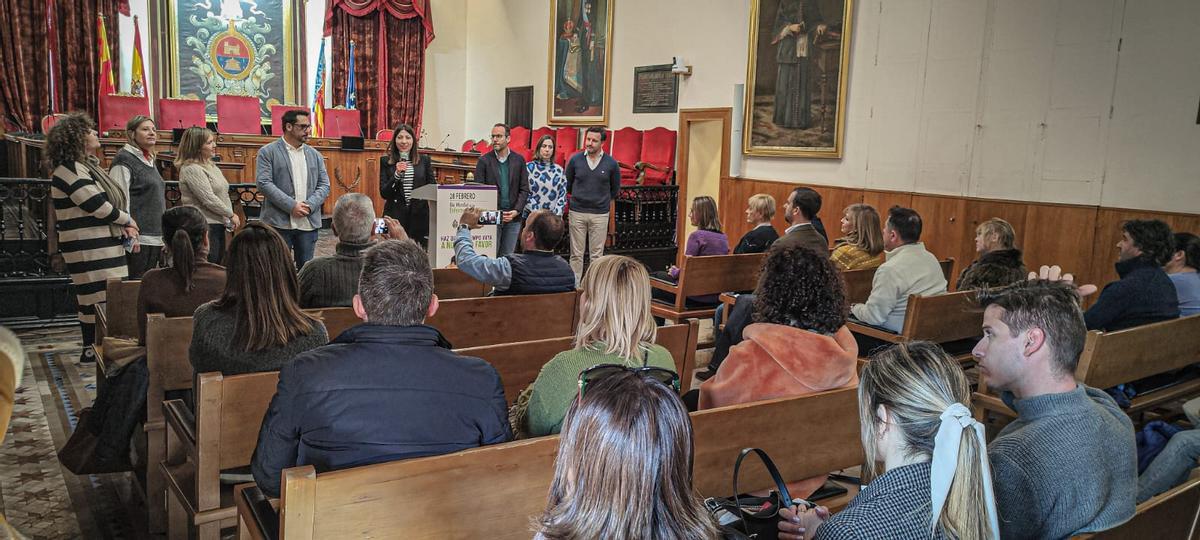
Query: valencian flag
pixel 318 103
pixel 106 73
pixel 137 76
pixel 351 95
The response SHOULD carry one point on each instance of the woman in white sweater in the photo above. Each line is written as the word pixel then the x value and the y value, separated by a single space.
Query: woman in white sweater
pixel 202 185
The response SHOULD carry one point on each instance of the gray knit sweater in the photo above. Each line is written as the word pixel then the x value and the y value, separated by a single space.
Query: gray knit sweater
pixel 332 281
pixel 213 347
pixel 1066 465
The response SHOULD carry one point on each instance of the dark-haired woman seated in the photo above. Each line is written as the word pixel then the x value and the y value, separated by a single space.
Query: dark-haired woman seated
pixel 191 280
pixel 257 324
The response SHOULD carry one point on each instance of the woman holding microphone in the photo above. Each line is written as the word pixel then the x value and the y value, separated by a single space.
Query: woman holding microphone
pixel 401 172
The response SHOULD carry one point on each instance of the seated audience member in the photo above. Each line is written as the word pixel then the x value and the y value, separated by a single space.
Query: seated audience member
pixel 536 270
pixel 914 405
pixel 862 245
pixel 1172 466
pixel 332 281
pixel 799 211
pixel 759 211
pixel 385 390
pixel 1143 294
pixel 909 269
pixel 1068 464
pixel 624 464
pixel 999 263
pixel 707 239
pixel 256 324
pixel 190 280
pixel 615 327
pixel 1181 268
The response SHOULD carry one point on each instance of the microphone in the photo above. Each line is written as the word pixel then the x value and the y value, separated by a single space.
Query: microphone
pixel 443 141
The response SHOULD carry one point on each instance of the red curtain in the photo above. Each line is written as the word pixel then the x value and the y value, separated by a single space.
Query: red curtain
pixel 390 37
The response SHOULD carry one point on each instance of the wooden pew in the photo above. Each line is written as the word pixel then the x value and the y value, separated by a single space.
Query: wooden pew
pixel 451 283
pixel 699 276
pixel 220 435
pixel 519 363
pixel 1171 515
pixel 507 483
pixel 472 322
pixel 117 317
pixel 1112 358
pixel 940 318
pixel 336 320
pixel 858 284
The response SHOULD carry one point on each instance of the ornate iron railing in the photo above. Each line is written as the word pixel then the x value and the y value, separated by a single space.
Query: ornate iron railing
pixel 25 207
pixel 645 217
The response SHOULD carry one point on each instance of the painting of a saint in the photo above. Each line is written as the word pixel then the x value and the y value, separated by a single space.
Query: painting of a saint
pixel 796 77
pixel 580 32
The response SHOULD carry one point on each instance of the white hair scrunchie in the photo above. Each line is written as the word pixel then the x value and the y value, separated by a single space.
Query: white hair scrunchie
pixel 955 419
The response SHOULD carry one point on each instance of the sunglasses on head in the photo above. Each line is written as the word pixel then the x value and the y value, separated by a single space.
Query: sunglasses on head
pixel 600 371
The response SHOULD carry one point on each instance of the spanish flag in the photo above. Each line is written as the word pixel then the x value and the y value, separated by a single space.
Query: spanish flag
pixel 106 73
pixel 137 74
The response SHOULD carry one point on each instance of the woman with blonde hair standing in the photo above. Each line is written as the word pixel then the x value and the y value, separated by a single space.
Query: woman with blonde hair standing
pixel 862 244
pixel 202 185
pixel 91 223
pixel 914 411
pixel 615 327
pixel 133 169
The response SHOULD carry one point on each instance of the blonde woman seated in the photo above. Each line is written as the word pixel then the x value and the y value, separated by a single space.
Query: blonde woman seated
pixel 913 403
pixel 623 470
pixel 999 263
pixel 615 327
pixel 861 245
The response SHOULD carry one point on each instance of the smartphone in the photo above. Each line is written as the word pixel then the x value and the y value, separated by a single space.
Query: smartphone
pixel 491 217
pixel 381 226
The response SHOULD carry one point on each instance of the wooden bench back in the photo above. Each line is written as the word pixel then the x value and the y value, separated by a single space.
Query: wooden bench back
pixel 451 283
pixel 1112 358
pixel 121 309
pixel 507 484
pixel 336 320
pixel 167 342
pixel 472 322
pixel 943 317
pixel 858 284
pixel 519 363
pixel 1174 514
pixel 715 274
pixel 947 265
pixel 229 412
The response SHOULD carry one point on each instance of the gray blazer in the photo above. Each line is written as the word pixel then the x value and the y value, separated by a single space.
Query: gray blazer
pixel 273 176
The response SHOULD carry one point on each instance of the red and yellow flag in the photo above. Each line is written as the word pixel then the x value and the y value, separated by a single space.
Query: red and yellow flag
pixel 137 75
pixel 106 71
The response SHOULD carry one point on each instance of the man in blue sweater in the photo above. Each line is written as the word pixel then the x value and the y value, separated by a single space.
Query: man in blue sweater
pixel 1144 294
pixel 593 179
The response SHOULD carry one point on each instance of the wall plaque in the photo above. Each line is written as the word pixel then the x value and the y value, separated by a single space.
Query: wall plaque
pixel 655 89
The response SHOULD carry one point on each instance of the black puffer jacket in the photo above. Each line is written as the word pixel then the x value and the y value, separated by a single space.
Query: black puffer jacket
pixel 995 268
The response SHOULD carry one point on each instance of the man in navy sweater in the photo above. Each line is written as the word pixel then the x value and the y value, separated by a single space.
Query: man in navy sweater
pixel 1144 294
pixel 593 179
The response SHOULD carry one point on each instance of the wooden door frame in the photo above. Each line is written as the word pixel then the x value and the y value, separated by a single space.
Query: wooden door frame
pixel 686 118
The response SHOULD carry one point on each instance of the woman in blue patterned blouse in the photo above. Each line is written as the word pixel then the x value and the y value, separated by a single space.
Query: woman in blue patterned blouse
pixel 547 183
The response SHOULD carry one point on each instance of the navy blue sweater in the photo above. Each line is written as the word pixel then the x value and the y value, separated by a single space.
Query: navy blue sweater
pixel 592 191
pixel 1143 295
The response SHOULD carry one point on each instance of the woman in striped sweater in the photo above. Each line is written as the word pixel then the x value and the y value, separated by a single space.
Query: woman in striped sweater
pixel 91 224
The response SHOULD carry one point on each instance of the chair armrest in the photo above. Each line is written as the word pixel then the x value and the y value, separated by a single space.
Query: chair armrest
pixel 257 515
pixel 990 402
pixel 181 421
pixel 664 285
pixel 624 165
pixel 878 333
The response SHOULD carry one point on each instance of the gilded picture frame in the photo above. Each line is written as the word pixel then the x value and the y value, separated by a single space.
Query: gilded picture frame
pixel 239 47
pixel 799 58
pixel 580 70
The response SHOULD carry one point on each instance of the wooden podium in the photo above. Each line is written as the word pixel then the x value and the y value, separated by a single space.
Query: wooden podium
pixel 446 204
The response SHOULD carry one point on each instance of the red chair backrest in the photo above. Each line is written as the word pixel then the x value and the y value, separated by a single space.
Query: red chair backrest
pixel 238 114
pixel 180 113
pixel 483 146
pixel 49 120
pixel 384 135
pixel 538 133
pixel 627 150
pixel 519 137
pixel 566 143
pixel 277 112
pixel 658 148
pixel 467 145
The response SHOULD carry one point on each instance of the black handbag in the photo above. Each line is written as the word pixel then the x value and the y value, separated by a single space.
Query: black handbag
pixel 756 517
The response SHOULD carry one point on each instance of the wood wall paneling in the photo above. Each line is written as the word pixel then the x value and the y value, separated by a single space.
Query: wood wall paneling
pixel 1062 235
pixel 943 227
pixel 882 200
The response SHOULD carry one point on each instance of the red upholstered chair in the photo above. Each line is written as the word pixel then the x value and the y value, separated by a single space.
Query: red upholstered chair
pixel 538 133
pixel 483 146
pixel 384 135
pixel 519 141
pixel 180 113
pixel 343 123
pixel 49 120
pixel 627 150
pixel 658 156
pixel 566 144
pixel 277 112
pixel 238 114
pixel 115 111
pixel 467 146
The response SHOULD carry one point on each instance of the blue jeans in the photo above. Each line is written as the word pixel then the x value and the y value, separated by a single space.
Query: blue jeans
pixel 1170 467
pixel 508 233
pixel 302 244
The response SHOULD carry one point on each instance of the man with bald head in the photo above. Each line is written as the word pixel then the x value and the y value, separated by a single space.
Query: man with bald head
pixel 536 270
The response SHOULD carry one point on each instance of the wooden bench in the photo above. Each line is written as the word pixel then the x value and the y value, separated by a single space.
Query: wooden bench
pixel 940 318
pixel 222 434
pixel 451 283
pixel 336 320
pixel 707 275
pixel 1112 358
pixel 472 322
pixel 507 484
pixel 117 317
pixel 520 363
pixel 858 284
pixel 1171 515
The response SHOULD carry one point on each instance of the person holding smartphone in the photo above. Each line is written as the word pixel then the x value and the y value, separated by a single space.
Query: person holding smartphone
pixel 401 171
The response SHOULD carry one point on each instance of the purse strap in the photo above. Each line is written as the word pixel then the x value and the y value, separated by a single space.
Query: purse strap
pixel 785 498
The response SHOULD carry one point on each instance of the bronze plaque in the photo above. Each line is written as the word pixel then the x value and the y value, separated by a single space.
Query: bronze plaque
pixel 655 89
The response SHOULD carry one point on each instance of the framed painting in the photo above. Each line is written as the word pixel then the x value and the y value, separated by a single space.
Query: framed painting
pixel 240 47
pixel 796 77
pixel 580 62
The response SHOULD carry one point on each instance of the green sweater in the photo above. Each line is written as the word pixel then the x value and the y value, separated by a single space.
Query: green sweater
pixel 558 384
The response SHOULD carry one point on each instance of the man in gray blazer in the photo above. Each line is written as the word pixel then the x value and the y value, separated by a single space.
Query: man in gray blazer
pixel 284 169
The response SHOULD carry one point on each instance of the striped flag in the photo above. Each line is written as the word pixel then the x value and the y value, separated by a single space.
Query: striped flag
pixel 351 93
pixel 318 102
pixel 106 72
pixel 137 73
